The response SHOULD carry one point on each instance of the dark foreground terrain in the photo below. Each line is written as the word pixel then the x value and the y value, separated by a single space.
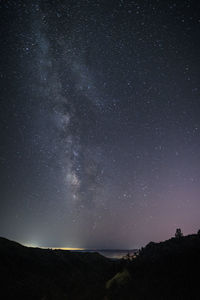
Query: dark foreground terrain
pixel 167 270
pixel 45 274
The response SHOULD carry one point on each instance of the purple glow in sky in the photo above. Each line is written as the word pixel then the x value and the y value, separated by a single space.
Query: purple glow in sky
pixel 100 126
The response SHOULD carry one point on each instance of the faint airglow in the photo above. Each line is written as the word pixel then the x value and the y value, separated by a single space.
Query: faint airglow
pixel 32 245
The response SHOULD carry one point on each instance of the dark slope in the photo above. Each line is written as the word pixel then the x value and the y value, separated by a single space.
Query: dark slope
pixel 34 273
pixel 166 270
pixel 163 271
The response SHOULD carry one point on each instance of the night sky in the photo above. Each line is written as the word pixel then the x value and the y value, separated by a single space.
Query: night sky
pixel 100 121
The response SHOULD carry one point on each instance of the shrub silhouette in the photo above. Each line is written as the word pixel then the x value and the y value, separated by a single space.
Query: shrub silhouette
pixel 178 233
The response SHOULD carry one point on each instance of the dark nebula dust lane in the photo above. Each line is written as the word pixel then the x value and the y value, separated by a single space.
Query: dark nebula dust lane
pixel 100 126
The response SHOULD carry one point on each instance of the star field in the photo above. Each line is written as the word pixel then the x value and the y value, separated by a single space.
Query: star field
pixel 100 126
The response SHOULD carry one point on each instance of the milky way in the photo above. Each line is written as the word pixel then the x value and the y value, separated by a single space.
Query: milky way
pixel 100 122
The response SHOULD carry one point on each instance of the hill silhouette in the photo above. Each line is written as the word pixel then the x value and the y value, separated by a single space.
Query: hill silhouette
pixel 165 270
pixel 34 273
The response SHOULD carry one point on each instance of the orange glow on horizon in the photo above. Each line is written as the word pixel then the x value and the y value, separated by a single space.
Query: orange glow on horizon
pixel 72 249
pixel 54 248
